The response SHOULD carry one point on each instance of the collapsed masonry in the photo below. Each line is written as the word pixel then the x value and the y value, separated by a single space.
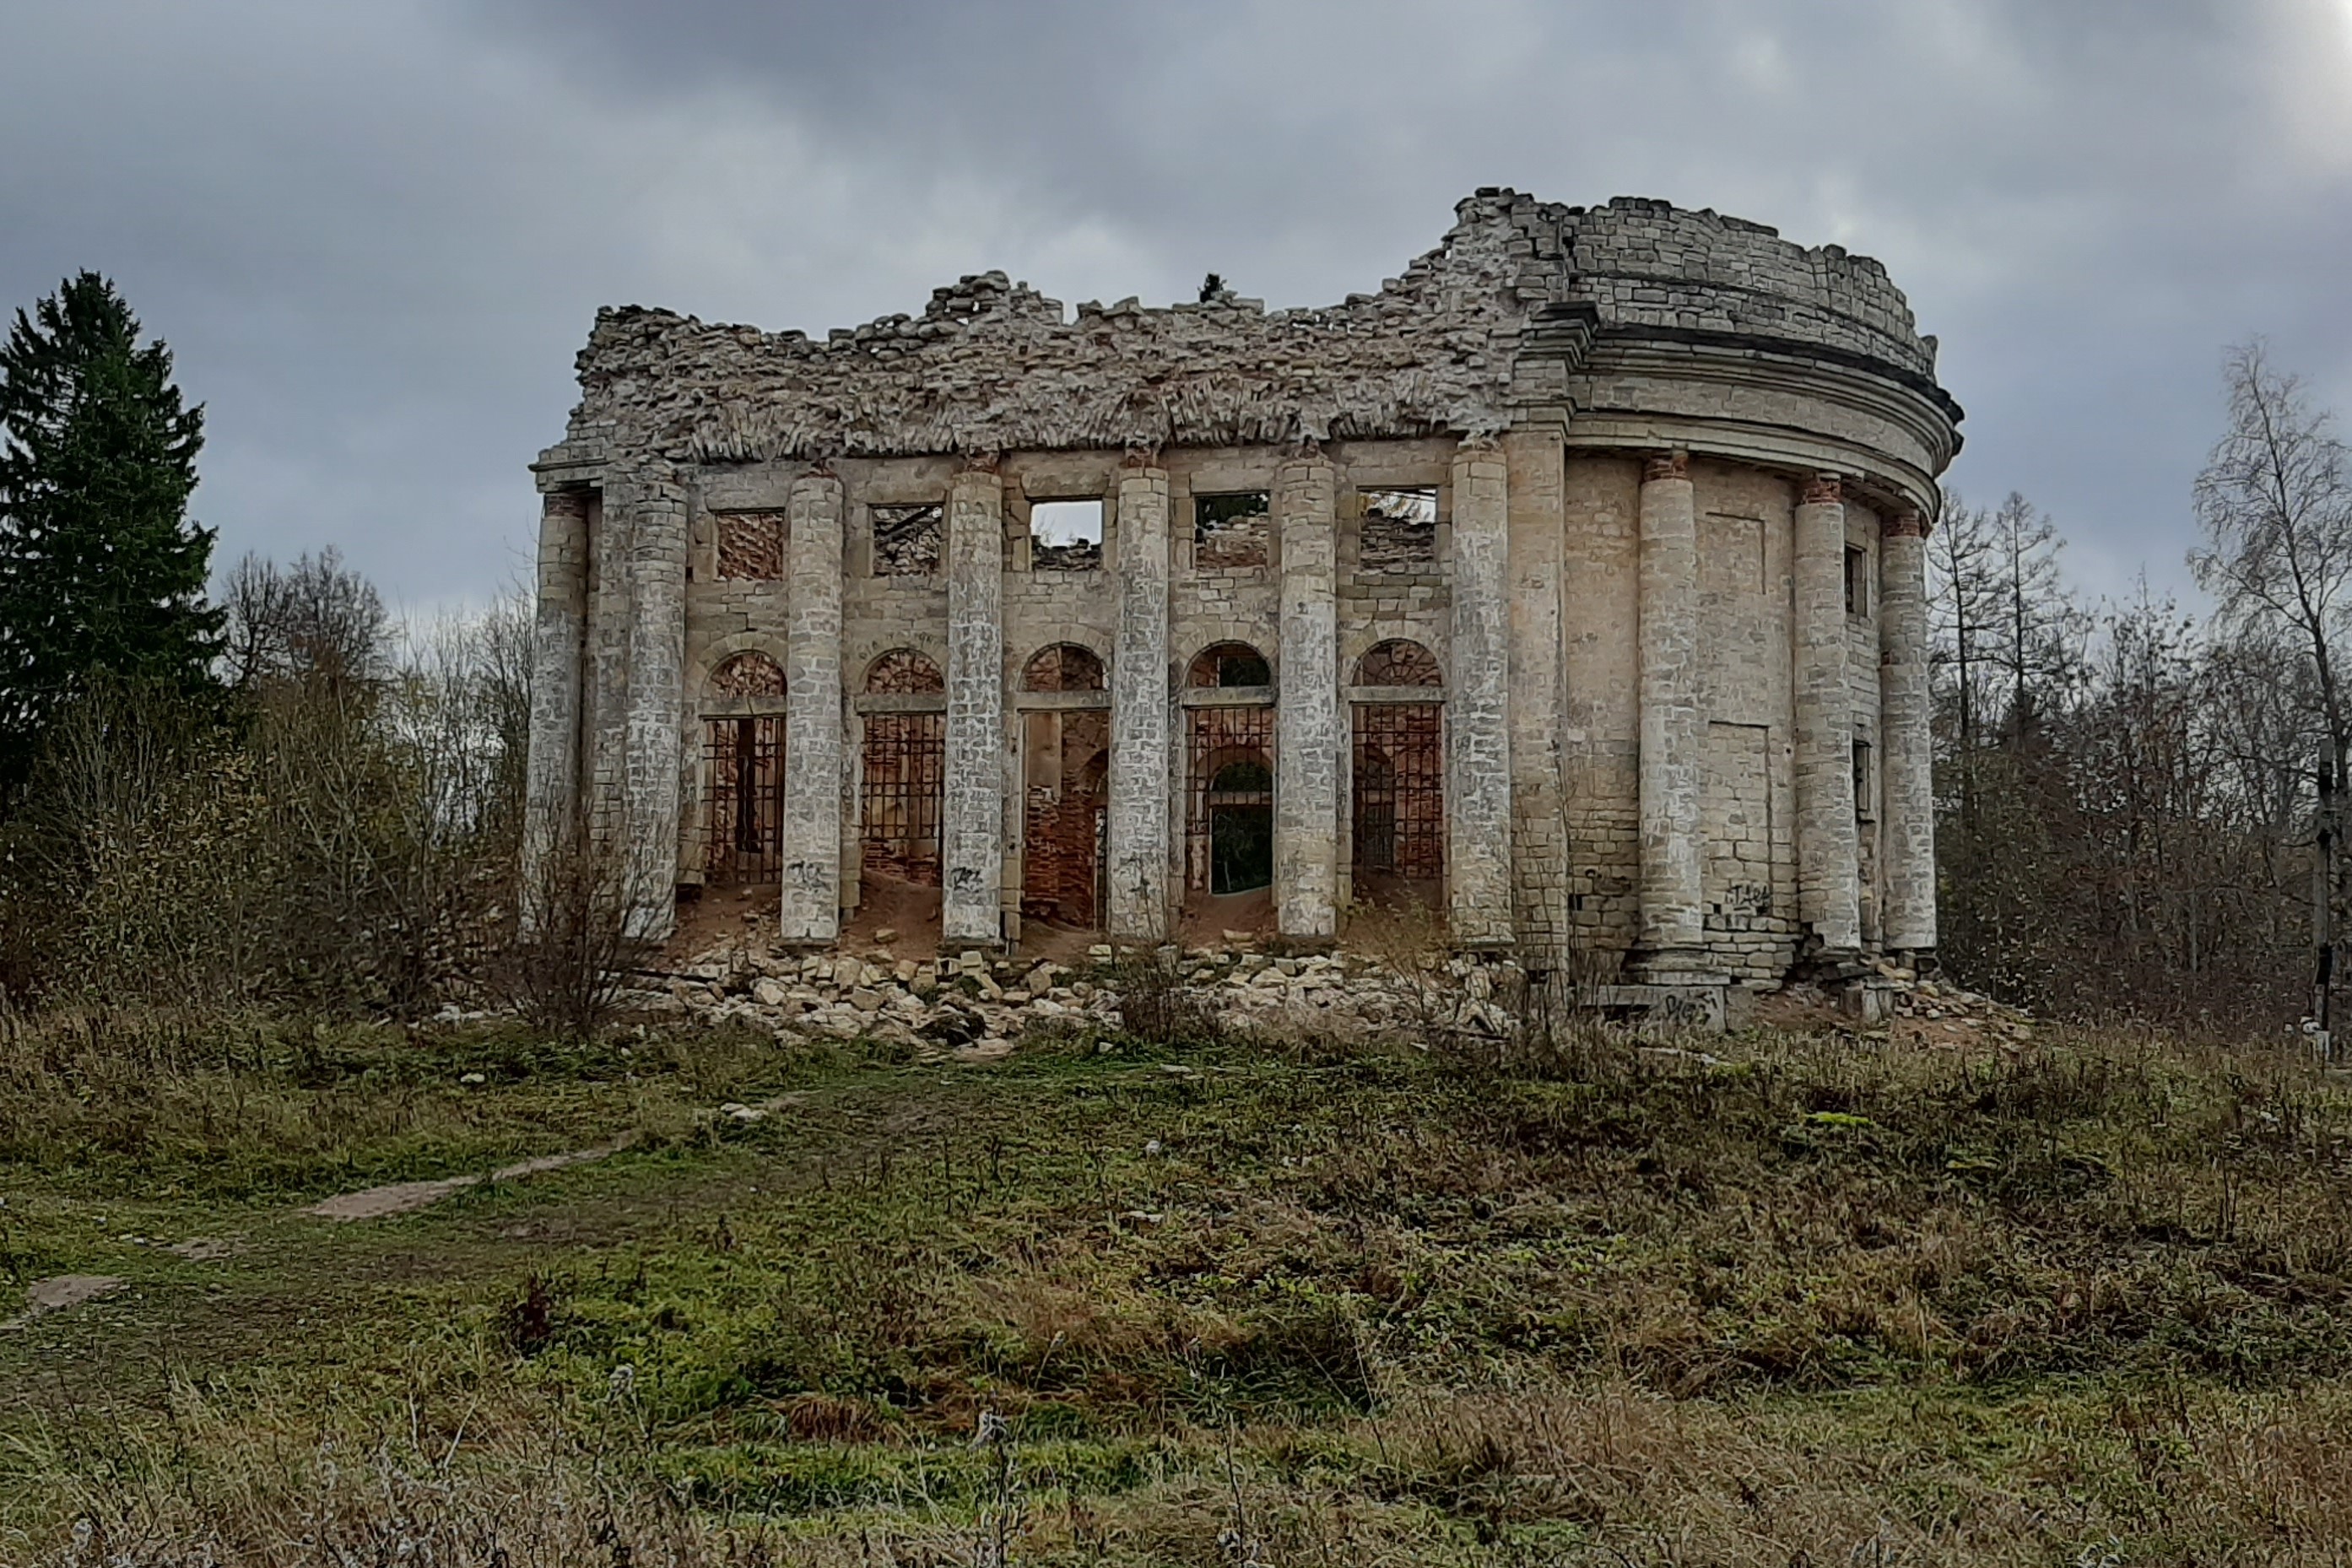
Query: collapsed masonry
pixel 1569 586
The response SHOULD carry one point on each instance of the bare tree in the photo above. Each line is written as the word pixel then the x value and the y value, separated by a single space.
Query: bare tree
pixel 2034 634
pixel 316 621
pixel 2277 515
pixel 1963 603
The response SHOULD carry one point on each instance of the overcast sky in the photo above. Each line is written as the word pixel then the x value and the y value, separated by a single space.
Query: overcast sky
pixel 376 234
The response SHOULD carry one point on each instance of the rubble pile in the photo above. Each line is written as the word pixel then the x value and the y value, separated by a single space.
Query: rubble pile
pixel 972 1003
pixel 1913 997
pixel 975 1006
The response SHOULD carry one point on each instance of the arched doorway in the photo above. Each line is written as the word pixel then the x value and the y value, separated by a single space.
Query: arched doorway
pixel 743 770
pixel 903 771
pixel 1397 817
pixel 1065 761
pixel 1229 696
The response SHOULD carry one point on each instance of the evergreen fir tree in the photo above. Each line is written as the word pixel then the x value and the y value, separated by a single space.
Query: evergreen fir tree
pixel 101 572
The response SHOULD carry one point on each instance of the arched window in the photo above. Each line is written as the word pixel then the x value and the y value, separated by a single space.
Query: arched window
pixel 903 672
pixel 1230 664
pixel 1399 662
pixel 747 674
pixel 1064 667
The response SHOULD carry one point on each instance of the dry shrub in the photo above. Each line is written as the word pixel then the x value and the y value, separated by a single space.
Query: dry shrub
pixel 1157 1004
pixel 569 959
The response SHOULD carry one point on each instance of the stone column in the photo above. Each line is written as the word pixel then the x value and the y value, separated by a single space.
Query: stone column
pixel 1907 814
pixel 1828 853
pixel 973 829
pixel 605 701
pixel 1139 714
pixel 559 660
pixel 1539 830
pixel 1671 931
pixel 1307 732
pixel 1477 702
pixel 653 747
pixel 810 835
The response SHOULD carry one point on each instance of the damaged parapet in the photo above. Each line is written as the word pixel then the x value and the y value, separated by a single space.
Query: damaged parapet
pixel 1635 496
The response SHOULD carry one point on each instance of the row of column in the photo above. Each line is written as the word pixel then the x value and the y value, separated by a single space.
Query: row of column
pixel 1672 942
pixel 609 661
pixel 1310 728
pixel 609 666
pixel 610 703
pixel 636 689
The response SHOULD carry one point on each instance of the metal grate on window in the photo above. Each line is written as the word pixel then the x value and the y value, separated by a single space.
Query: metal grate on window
pixel 1400 789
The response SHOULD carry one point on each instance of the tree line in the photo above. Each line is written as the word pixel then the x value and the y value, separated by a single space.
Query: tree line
pixel 266 792
pixel 2141 808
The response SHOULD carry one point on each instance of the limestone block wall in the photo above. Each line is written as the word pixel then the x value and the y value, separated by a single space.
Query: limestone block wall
pixel 1043 608
pixel 1649 263
pixel 1748 844
pixel 1374 604
pixel 1601 718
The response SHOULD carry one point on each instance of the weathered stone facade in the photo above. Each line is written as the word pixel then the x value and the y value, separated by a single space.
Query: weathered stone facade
pixel 1570 585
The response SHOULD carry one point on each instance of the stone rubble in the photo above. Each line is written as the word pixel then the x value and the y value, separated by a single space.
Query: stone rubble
pixel 973 1006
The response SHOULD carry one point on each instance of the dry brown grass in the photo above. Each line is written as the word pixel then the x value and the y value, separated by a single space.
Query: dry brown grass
pixel 1822 1300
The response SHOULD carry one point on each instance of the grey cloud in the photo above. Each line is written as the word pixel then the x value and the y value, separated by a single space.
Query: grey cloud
pixel 377 234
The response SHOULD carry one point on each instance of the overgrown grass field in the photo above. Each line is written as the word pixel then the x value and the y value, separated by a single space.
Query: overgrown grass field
pixel 1783 1299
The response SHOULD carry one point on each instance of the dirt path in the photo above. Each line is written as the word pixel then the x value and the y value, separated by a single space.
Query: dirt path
pixel 58 1292
pixel 407 1198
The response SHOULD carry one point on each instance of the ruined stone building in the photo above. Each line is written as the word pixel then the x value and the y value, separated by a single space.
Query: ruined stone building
pixel 1572 583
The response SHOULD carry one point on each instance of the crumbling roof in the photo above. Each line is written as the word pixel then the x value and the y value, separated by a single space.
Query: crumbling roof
pixel 992 365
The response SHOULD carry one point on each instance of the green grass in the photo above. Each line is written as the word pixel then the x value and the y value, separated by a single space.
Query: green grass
pixel 1830 1296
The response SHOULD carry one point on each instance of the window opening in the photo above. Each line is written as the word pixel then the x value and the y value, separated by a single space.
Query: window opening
pixel 907 540
pixel 1865 803
pixel 1857 581
pixel 1230 664
pixel 747 674
pixel 1229 531
pixel 1229 827
pixel 752 545
pixel 904 672
pixel 1398 531
pixel 1064 667
pixel 1400 661
pixel 1066 535
pixel 744 761
pixel 1398 798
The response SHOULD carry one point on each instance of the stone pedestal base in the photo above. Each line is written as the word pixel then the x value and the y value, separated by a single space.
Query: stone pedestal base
pixel 1676 967
pixel 1703 1008
pixel 1868 1001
